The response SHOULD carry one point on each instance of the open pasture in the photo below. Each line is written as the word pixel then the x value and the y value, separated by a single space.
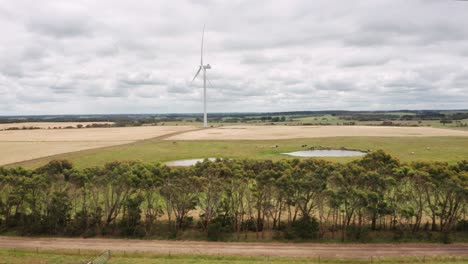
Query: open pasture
pixel 288 132
pixel 20 145
pixel 407 149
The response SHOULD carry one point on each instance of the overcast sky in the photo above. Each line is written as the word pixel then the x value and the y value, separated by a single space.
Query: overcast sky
pixel 94 57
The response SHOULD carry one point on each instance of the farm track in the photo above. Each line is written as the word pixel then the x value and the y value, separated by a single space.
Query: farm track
pixel 237 248
pixel 93 150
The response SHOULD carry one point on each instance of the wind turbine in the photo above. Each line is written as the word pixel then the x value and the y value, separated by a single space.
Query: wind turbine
pixel 204 68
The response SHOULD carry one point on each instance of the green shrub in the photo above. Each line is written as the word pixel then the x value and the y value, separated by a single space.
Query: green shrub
pixel 219 227
pixel 304 228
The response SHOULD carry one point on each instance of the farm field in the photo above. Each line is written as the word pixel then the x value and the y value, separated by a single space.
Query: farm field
pixel 289 132
pixel 20 145
pixel 18 151
pixel 450 149
pixel 96 146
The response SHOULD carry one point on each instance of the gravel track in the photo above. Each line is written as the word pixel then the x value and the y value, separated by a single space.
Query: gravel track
pixel 237 248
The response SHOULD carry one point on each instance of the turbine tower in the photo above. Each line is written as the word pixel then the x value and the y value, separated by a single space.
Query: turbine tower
pixel 204 68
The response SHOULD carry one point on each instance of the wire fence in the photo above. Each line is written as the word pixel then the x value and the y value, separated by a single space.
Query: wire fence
pixel 101 259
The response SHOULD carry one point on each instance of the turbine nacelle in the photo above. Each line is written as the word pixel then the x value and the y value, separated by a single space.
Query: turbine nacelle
pixel 207 67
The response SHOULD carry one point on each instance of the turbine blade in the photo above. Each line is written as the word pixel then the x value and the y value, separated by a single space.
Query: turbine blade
pixel 203 36
pixel 196 74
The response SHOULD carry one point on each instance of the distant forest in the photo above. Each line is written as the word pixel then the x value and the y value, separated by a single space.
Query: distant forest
pixel 386 117
pixel 307 199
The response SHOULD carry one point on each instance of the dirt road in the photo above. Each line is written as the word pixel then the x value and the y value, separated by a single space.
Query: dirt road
pixel 234 248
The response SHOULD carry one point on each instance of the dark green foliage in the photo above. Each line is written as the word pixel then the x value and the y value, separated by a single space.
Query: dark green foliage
pixel 299 199
pixel 462 225
pixel 58 213
pixel 219 227
pixel 131 219
pixel 305 228
pixel 357 233
pixel 251 225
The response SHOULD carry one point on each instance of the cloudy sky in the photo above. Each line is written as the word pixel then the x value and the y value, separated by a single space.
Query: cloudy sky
pixel 85 57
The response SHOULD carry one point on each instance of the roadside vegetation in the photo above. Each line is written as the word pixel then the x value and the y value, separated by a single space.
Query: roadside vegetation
pixel 227 199
pixel 19 256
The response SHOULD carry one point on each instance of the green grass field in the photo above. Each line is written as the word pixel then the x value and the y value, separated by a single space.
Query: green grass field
pixel 31 256
pixel 407 149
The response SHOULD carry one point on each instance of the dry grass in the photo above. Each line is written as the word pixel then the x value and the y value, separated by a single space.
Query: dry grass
pixel 21 145
pixel 20 151
pixel 90 134
pixel 289 132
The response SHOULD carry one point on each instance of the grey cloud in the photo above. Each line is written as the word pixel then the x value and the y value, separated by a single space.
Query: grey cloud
pixel 11 69
pixel 464 52
pixel 335 85
pixel 461 81
pixel 361 61
pixel 34 53
pixel 103 88
pixel 105 92
pixel 367 39
pixel 60 26
pixel 266 56
pixel 62 89
pixel 31 96
pixel 180 88
pixel 259 58
pixel 141 78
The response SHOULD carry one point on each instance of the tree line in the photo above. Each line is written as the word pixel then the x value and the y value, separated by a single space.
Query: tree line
pixel 293 199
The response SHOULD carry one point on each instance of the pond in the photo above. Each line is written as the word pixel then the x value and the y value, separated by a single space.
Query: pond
pixel 326 153
pixel 187 162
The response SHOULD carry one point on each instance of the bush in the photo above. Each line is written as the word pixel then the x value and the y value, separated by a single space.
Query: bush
pixel 462 225
pixel 357 233
pixel 251 225
pixel 303 228
pixel 445 238
pixel 219 227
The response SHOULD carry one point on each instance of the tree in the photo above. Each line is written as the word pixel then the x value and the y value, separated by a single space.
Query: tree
pixel 211 177
pixel 180 192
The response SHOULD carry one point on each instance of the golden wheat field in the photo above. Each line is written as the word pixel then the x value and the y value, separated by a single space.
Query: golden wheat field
pixel 21 145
